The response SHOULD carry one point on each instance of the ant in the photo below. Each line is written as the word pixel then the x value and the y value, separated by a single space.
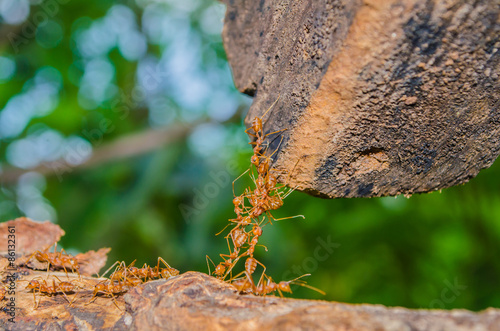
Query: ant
pixel 146 272
pixel 226 267
pixel 157 272
pixel 266 196
pixel 57 259
pixel 266 286
pixel 44 288
pixel 109 289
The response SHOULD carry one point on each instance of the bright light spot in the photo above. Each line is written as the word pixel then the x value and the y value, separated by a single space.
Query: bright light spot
pixel 162 27
pixel 393 203
pixel 77 150
pixel 14 11
pixel 152 77
pixel 48 145
pixel 95 85
pixel 7 68
pixel 20 154
pixel 42 146
pixel 40 98
pixel 30 199
pixel 96 40
pixel 222 105
pixel 161 111
pixel 206 139
pixel 120 18
pixel 184 5
pixel 212 19
pixel 132 45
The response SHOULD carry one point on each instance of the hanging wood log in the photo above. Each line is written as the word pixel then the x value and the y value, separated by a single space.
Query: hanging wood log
pixel 378 97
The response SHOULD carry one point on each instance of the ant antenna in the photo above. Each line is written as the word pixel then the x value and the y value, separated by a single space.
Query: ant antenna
pixel 279 95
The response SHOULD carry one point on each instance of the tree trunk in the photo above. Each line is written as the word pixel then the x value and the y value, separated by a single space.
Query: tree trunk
pixel 378 97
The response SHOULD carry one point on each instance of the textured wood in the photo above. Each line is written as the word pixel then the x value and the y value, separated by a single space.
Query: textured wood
pixel 379 97
pixel 54 312
pixel 30 236
pixel 195 301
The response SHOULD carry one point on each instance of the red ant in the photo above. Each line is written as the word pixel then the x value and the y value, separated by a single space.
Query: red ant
pixel 43 287
pixel 57 259
pixel 110 289
pixel 267 286
pixel 146 272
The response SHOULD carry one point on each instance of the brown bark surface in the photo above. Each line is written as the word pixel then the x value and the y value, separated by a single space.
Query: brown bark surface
pixel 195 301
pixel 379 97
pixel 191 301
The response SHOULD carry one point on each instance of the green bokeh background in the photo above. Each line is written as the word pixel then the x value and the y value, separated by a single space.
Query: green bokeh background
pixel 437 250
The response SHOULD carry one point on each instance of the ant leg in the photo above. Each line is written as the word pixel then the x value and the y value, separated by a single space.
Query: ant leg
pixel 268 109
pixel 263 272
pixel 229 271
pixel 122 267
pixel 102 276
pixel 304 284
pixel 285 218
pixel 34 299
pixel 37 303
pixel 164 262
pixel 234 194
pixel 94 296
pixel 250 134
pixel 70 260
pixel 208 265
pixel 222 229
pixel 167 266
pixel 74 299
pixel 114 301
pixel 67 299
pixel 265 247
pixel 270 133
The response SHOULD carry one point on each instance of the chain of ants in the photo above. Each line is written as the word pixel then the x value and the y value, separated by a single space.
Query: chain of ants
pixel 120 280
pixel 266 197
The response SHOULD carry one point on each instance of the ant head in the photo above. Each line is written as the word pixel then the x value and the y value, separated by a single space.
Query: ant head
pixel 257 230
pixel 220 269
pixel 173 271
pixel 33 284
pixel 101 287
pixel 285 287
pixel 255 160
pixel 237 201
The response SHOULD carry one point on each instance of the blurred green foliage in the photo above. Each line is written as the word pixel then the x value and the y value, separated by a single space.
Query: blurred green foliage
pixel 89 61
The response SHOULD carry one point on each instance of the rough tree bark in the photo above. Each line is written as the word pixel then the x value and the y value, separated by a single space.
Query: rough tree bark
pixel 379 97
pixel 195 301
pixel 191 301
